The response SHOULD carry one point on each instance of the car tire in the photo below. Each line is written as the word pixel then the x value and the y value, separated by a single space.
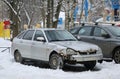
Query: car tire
pixel 116 56
pixel 56 61
pixel 90 64
pixel 18 58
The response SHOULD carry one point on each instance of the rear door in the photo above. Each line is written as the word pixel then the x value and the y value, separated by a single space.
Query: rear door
pixel 26 43
pixel 85 34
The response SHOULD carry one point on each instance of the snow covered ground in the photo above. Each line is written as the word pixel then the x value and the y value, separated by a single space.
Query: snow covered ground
pixel 9 69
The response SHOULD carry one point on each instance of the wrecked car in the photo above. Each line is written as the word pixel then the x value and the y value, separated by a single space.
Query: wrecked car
pixel 55 46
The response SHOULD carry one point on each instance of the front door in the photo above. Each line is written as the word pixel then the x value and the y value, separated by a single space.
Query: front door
pixel 38 49
pixel 102 42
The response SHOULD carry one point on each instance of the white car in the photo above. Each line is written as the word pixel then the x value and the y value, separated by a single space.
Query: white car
pixel 57 47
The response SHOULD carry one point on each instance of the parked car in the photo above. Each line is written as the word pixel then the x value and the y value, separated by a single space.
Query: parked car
pixel 106 36
pixel 57 47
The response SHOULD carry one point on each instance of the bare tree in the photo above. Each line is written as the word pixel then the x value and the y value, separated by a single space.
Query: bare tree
pixel 82 5
pixel 43 12
pixel 53 12
pixel 69 7
pixel 23 12
pixel 57 13
pixel 15 6
pixel 31 12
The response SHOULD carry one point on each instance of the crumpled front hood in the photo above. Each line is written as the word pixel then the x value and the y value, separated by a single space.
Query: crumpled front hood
pixel 78 45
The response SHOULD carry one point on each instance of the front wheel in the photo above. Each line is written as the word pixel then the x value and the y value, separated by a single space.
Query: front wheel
pixel 90 64
pixel 56 61
pixel 116 56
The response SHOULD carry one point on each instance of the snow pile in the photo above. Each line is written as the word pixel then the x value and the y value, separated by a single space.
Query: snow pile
pixel 5 43
pixel 9 69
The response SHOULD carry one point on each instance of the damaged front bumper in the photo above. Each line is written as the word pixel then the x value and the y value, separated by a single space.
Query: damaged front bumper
pixel 82 58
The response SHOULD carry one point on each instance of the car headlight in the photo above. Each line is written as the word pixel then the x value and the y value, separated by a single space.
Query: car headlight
pixel 71 52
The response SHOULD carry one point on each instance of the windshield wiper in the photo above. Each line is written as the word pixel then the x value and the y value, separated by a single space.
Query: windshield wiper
pixel 56 40
pixel 69 40
pixel 63 40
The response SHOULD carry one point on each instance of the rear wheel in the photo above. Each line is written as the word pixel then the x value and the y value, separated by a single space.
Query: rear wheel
pixel 116 56
pixel 18 57
pixel 56 61
pixel 90 64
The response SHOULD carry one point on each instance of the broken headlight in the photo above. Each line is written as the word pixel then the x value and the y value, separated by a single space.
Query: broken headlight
pixel 71 52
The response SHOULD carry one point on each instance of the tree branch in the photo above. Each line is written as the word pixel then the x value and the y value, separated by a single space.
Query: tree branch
pixel 10 6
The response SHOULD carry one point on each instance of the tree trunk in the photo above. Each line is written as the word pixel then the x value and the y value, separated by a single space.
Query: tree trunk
pixel 15 27
pixel 48 14
pixel 43 13
pixel 15 20
pixel 57 13
pixel 81 14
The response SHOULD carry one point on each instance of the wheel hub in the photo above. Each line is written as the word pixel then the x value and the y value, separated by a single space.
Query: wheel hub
pixel 54 62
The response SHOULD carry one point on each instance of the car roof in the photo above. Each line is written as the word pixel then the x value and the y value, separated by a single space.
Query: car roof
pixel 99 25
pixel 45 29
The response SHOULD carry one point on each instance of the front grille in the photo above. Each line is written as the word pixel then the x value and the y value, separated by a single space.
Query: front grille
pixel 87 53
pixel 92 52
pixel 83 53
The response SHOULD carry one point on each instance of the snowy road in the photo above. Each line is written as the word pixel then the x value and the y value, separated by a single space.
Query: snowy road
pixel 9 69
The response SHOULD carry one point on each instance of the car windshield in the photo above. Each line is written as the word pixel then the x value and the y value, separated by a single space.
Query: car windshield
pixel 59 35
pixel 115 30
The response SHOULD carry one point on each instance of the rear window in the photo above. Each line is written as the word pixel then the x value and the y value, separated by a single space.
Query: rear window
pixel 74 30
pixel 21 35
pixel 85 31
pixel 28 35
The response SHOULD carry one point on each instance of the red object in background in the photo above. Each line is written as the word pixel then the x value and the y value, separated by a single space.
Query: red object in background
pixel 118 25
pixel 7 23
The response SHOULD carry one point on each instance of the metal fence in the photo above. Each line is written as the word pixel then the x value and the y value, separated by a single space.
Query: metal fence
pixel 5 49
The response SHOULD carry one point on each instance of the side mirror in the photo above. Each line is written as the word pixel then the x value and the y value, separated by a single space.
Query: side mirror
pixel 78 37
pixel 41 39
pixel 106 35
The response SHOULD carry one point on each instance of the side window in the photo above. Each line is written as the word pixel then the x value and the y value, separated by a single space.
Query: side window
pixel 21 35
pixel 99 32
pixel 28 35
pixel 85 31
pixel 73 31
pixel 38 34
